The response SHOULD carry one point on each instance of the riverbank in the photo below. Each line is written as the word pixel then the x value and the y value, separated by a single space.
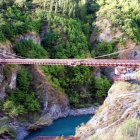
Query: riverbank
pixel 82 111
pixel 73 112
pixel 70 112
pixel 61 127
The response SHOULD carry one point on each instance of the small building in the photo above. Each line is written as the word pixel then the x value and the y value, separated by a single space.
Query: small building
pixel 124 73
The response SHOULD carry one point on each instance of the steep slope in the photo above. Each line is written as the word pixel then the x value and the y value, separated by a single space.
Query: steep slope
pixel 64 27
pixel 118 118
pixel 53 104
pixel 37 97
pixel 124 14
pixel 119 115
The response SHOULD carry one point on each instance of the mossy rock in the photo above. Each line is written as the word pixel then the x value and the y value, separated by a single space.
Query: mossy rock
pixel 45 120
pixel 4 121
pixel 8 69
pixel 7 131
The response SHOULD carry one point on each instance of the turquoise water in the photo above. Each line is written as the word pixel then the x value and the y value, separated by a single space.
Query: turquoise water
pixel 65 126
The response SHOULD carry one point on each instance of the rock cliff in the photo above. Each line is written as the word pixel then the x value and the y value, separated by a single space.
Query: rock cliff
pixel 104 31
pixel 118 117
pixel 54 104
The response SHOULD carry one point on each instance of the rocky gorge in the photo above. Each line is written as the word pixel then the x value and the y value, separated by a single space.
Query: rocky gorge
pixel 118 118
pixel 32 96
pixel 55 104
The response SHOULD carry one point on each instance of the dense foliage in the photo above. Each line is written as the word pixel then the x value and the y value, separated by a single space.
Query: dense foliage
pixel 34 50
pixel 124 14
pixel 66 38
pixel 81 9
pixel 79 84
pixel 67 27
pixel 15 21
pixel 104 48
pixel 21 100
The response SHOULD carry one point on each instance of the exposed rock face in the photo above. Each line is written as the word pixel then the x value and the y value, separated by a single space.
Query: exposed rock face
pixel 135 53
pixel 83 111
pixel 97 72
pixel 103 32
pixel 122 104
pixel 19 128
pixel 54 102
pixel 44 120
pixel 2 87
pixel 109 72
pixel 2 92
pixel 12 84
pixel 21 132
pixel 7 74
pixel 7 46
pixel 106 32
pixel 30 36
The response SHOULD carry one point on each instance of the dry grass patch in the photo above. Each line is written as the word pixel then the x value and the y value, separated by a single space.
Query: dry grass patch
pixel 101 108
pixel 123 87
pixel 128 130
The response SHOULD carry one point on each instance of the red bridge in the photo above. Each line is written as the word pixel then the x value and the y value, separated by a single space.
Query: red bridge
pixel 74 62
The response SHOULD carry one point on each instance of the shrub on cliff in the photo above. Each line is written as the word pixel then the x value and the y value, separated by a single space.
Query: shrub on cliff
pixel 101 85
pixel 123 13
pixel 130 129
pixel 22 100
pixel 29 49
pixel 104 48
pixel 2 38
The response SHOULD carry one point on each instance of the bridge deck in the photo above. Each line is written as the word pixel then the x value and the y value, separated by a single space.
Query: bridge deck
pixel 73 62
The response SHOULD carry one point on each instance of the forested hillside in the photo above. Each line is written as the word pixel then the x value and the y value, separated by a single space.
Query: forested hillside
pixel 124 14
pixel 67 26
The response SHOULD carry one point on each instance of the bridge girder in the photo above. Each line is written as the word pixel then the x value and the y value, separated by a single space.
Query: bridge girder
pixel 73 62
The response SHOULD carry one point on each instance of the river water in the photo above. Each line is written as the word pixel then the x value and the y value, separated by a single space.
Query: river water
pixel 65 126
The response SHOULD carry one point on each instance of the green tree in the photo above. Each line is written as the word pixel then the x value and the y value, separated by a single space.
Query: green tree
pixel 34 50
pixel 23 80
pixel 124 14
pixel 21 101
pixel 101 85
pixel 105 48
